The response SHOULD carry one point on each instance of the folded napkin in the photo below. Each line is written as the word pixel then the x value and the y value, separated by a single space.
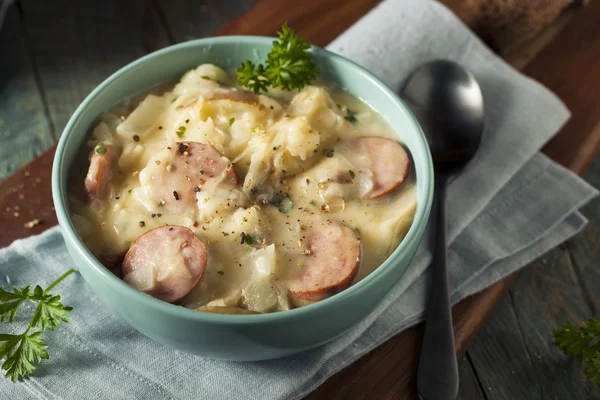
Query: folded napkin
pixel 507 208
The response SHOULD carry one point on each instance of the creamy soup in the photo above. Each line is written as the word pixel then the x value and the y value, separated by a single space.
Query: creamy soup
pixel 212 197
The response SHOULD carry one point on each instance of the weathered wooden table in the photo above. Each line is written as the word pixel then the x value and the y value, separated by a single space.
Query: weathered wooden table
pixel 54 53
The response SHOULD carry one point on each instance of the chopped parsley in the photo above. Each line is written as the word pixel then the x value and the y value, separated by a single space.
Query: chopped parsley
pixel 181 131
pixel 161 203
pixel 247 238
pixel 312 203
pixel 351 117
pixel 231 121
pixel 206 77
pixel 221 272
pixel 352 174
pixel 174 99
pixel 100 149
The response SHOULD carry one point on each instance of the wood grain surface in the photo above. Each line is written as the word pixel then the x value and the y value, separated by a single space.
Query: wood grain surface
pixel 565 58
pixel 24 129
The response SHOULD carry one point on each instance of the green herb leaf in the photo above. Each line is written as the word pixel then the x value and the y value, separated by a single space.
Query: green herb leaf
pixel 288 66
pixel 352 174
pixel 181 131
pixel 253 77
pixel 23 352
pixel 249 239
pixel 30 350
pixel 351 117
pixel 100 149
pixel 205 77
pixel 231 121
pixel 221 272
pixel 591 369
pixel 583 344
pixel 50 312
pixel 312 203
pixel 10 302
pixel 174 99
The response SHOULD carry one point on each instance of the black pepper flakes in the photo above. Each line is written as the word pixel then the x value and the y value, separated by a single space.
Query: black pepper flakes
pixel 181 148
pixel 242 237
pixel 142 224
pixel 176 195
pixel 160 127
pixel 136 138
pixel 196 189
pixel 171 228
pixel 159 215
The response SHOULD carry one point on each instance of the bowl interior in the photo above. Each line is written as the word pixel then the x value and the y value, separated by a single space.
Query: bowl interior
pixel 228 52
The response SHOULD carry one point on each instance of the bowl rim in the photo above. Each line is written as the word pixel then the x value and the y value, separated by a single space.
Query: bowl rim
pixel 412 238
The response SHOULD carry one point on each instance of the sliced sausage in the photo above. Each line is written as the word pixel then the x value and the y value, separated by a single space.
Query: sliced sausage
pixel 175 175
pixel 100 171
pixel 332 256
pixel 165 262
pixel 382 165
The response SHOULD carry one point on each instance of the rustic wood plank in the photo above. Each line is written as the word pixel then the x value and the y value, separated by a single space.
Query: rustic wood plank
pixel 513 354
pixel 189 20
pixel 585 248
pixel 469 388
pixel 24 129
pixel 501 359
pixel 76 45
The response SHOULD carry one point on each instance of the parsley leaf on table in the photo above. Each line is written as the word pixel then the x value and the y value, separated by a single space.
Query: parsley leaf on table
pixel 583 344
pixel 23 352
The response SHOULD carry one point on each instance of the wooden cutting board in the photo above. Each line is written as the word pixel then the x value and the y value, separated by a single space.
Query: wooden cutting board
pixel 565 58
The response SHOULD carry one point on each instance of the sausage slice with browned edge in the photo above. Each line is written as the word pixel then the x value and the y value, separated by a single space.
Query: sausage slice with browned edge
pixel 166 262
pixel 174 176
pixel 332 256
pixel 100 171
pixel 382 165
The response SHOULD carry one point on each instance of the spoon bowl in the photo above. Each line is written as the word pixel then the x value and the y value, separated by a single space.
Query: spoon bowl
pixel 447 101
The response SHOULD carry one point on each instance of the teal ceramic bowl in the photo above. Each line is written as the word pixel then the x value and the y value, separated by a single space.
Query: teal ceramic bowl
pixel 239 337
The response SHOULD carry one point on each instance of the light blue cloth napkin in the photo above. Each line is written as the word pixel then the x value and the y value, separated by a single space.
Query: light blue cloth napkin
pixel 511 205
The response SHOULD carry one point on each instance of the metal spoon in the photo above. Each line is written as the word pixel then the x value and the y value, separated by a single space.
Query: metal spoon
pixel 448 104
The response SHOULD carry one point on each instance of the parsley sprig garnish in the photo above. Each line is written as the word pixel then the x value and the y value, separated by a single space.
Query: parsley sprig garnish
pixel 24 351
pixel 583 344
pixel 289 65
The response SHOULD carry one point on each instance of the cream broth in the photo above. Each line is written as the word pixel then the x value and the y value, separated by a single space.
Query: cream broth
pixel 280 188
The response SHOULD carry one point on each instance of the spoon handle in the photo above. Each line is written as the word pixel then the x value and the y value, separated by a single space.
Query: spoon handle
pixel 437 376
